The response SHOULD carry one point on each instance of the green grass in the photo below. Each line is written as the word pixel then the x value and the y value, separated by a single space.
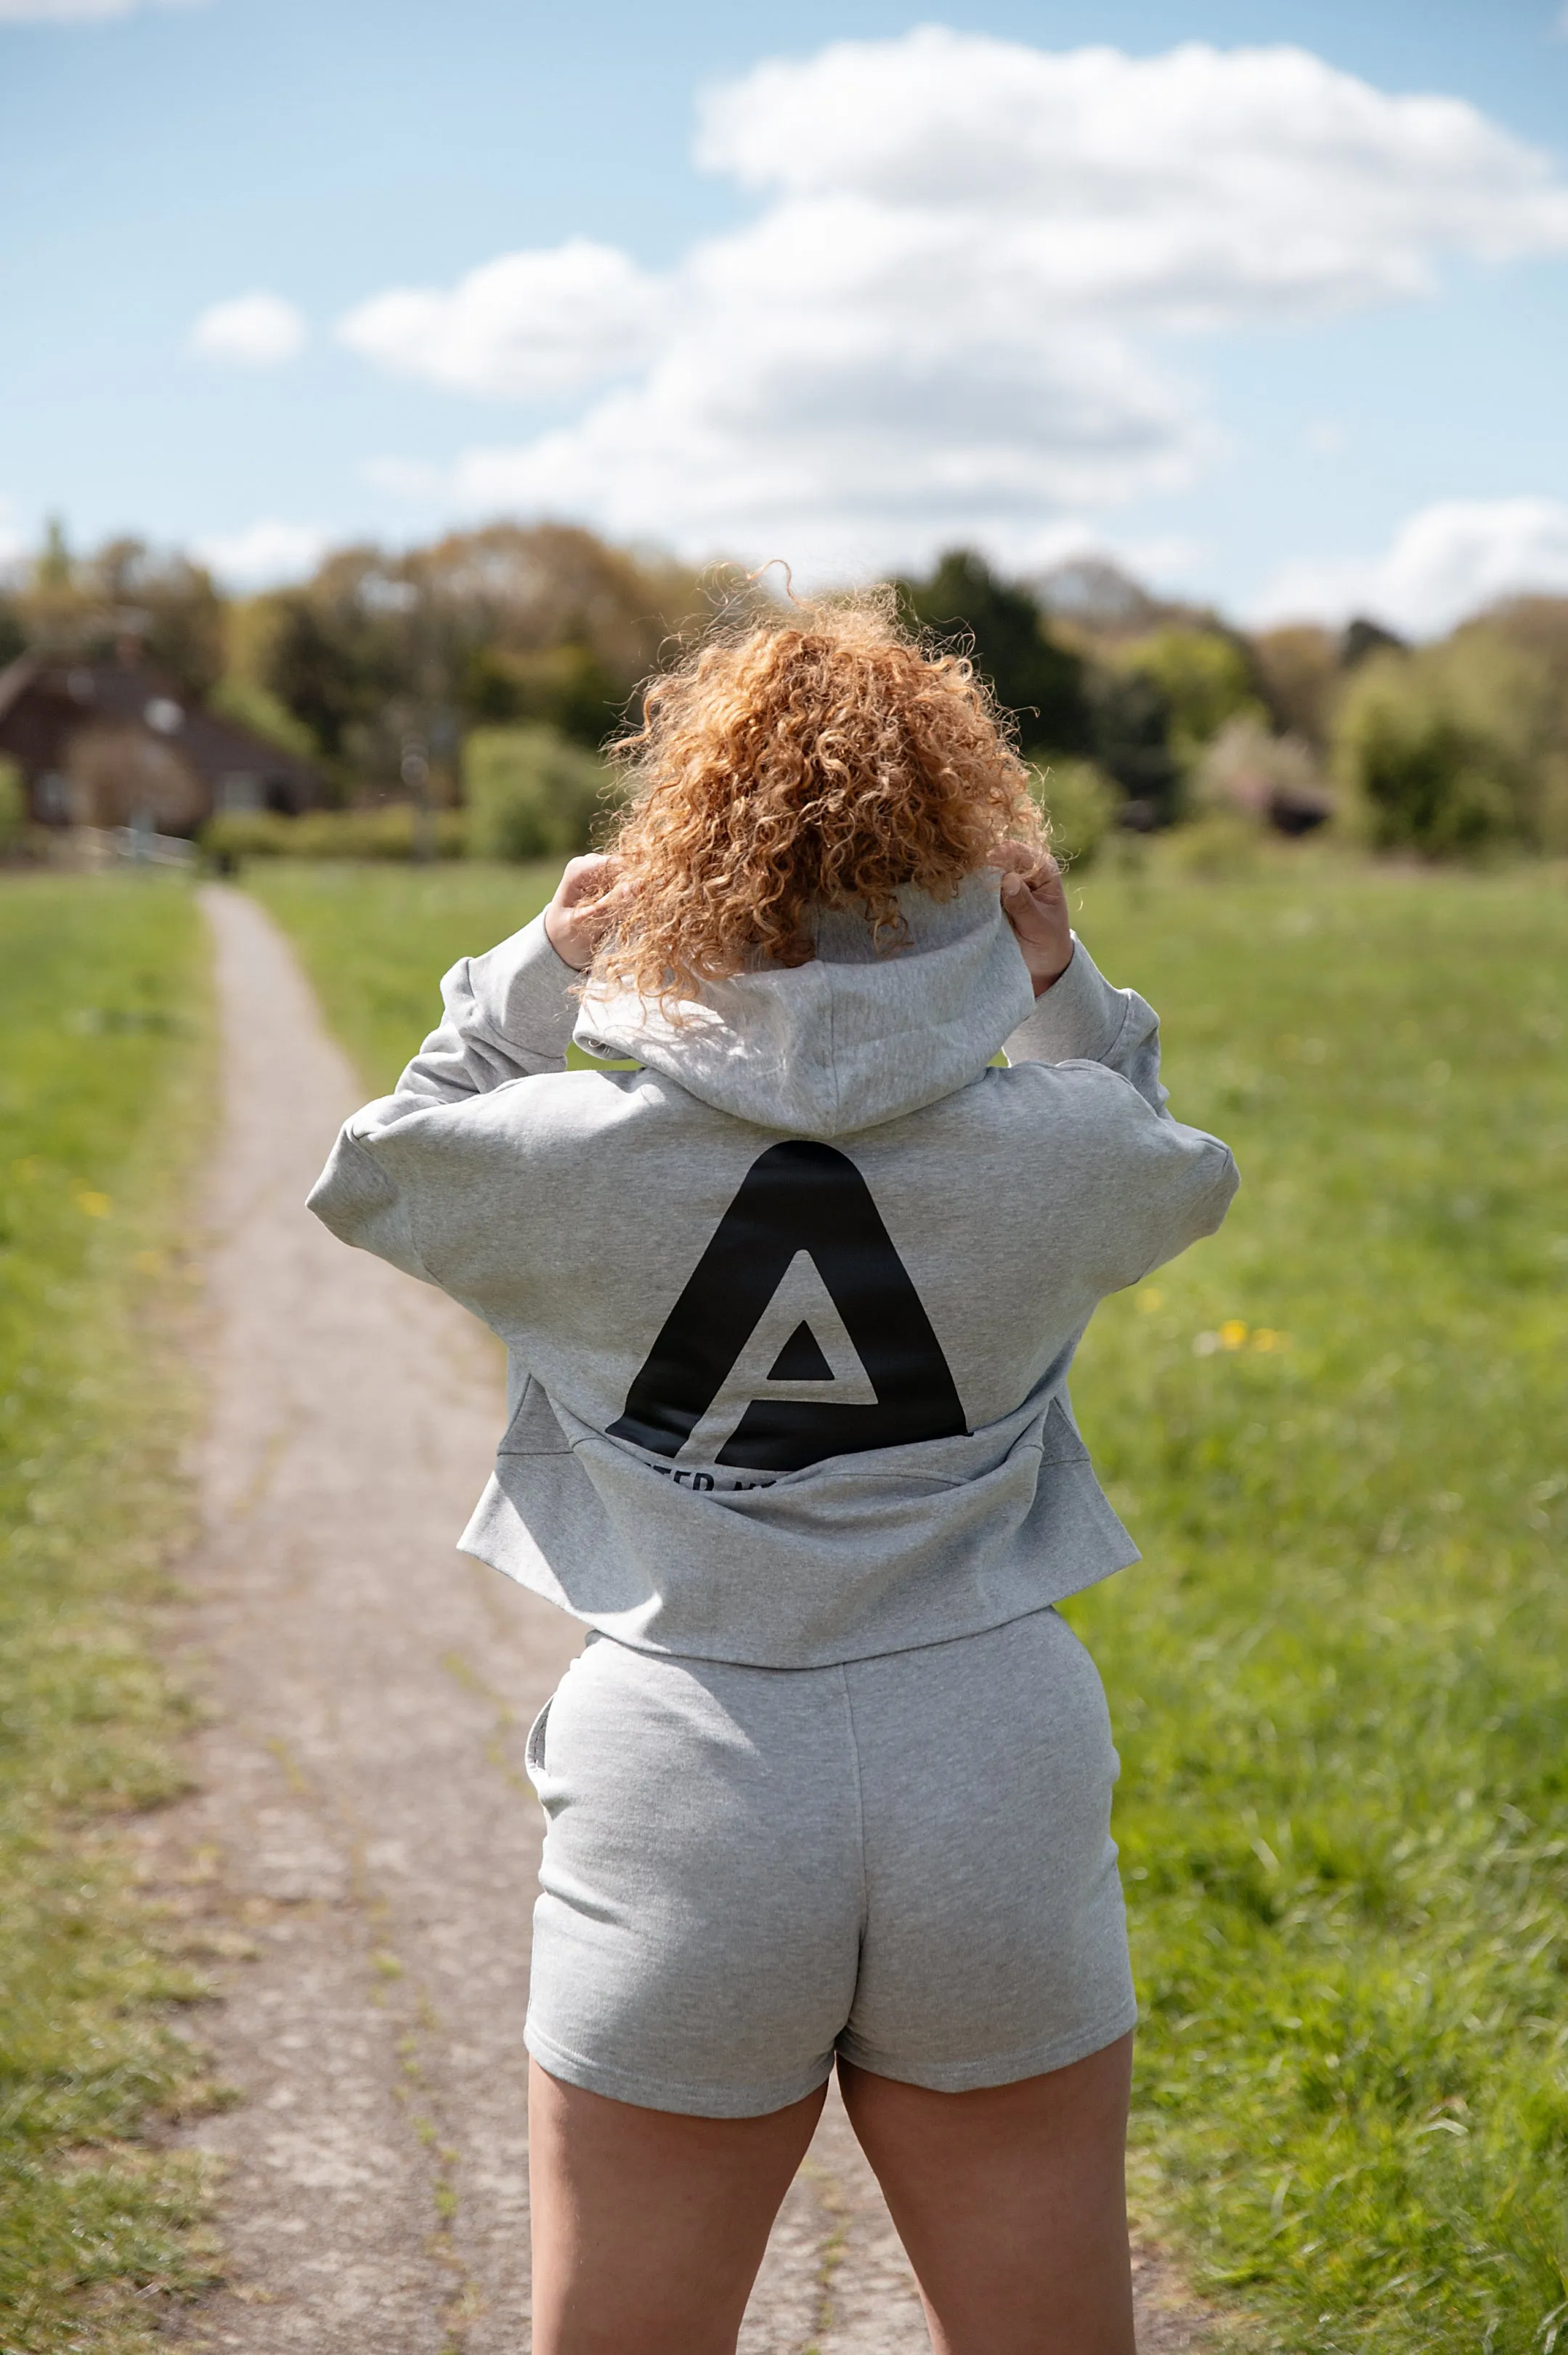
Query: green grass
pixel 376 940
pixel 102 1063
pixel 1338 1677
pixel 1339 1432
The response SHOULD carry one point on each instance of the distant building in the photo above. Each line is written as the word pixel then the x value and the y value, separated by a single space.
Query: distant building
pixel 112 743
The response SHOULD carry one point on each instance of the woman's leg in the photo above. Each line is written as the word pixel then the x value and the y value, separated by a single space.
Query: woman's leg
pixel 648 2228
pixel 1011 2203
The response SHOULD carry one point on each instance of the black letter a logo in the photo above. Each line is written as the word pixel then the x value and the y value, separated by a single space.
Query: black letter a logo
pixel 797 1198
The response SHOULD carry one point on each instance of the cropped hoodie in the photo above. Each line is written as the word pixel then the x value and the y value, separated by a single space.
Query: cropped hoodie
pixel 788 1307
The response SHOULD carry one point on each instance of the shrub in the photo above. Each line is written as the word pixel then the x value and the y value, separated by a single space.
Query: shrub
pixel 1443 751
pixel 1271 780
pixel 1082 805
pixel 231 840
pixel 1528 636
pixel 530 794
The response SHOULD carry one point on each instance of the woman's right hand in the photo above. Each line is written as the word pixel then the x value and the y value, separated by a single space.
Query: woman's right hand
pixel 587 901
pixel 1034 902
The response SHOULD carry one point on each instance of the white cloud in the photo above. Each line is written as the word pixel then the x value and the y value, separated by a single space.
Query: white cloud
pixel 78 12
pixel 250 331
pixel 944 318
pixel 263 555
pixel 1197 188
pixel 1442 563
pixel 530 325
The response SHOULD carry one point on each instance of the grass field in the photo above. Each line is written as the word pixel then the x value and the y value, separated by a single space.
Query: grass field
pixel 1339 1432
pixel 377 940
pixel 102 1065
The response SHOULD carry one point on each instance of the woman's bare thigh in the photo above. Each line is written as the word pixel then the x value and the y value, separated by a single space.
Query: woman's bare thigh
pixel 1011 2203
pixel 648 2228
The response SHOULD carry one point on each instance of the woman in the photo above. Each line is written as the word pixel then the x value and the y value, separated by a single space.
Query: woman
pixel 789 1309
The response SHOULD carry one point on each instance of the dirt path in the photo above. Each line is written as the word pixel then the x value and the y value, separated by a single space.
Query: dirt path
pixel 362 1847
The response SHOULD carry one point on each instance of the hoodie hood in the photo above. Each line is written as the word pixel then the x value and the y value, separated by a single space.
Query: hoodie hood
pixel 854 1038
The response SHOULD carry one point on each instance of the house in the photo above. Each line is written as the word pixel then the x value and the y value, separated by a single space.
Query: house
pixel 113 744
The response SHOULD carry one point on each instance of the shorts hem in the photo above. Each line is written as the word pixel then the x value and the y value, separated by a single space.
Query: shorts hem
pixel 685 2099
pixel 998 2068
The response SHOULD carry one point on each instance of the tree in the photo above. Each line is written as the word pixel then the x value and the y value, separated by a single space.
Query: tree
pixel 1459 747
pixel 1131 720
pixel 570 688
pixel 532 794
pixel 1206 679
pixel 1037 680
pixel 543 624
pixel 1360 639
pixel 1298 673
pixel 1529 636
pixel 332 660
pixel 12 632
pixel 126 596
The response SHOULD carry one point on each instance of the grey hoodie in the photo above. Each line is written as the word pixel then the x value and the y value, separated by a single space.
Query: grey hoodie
pixel 789 1309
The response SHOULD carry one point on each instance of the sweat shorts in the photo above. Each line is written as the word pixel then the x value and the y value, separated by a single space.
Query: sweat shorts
pixel 905 1859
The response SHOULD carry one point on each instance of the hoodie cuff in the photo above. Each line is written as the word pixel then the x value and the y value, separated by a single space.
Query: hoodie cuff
pixel 526 993
pixel 1080 1016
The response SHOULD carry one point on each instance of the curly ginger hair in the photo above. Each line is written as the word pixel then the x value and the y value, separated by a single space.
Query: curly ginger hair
pixel 821 754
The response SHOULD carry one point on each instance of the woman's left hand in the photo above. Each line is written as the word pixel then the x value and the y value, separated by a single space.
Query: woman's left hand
pixel 1034 902
pixel 585 905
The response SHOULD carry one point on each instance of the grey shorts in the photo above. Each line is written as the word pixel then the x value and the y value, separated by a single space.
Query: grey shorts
pixel 906 1861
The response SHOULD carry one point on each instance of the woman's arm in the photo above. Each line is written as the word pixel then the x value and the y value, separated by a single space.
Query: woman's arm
pixel 1166 1184
pixel 509 1013
pixel 1081 1019
pixel 1078 1016
pixel 508 1016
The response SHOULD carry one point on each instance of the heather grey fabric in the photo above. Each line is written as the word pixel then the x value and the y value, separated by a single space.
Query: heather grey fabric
pixel 904 1859
pixel 790 1308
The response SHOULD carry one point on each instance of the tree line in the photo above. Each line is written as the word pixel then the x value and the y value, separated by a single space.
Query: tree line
pixel 492 664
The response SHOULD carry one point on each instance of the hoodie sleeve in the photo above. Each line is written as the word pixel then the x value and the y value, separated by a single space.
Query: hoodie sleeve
pixel 508 1016
pixel 1167 1185
pixel 1081 1019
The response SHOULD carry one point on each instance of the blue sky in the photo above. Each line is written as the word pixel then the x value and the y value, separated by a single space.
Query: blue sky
pixel 1260 327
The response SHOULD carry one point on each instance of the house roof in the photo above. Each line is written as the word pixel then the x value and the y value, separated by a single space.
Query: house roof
pixel 69 695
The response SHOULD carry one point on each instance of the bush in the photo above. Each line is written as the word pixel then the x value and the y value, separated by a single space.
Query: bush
pixel 13 806
pixel 388 833
pixel 1528 636
pixel 1082 805
pixel 1443 751
pixel 530 794
pixel 1270 779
